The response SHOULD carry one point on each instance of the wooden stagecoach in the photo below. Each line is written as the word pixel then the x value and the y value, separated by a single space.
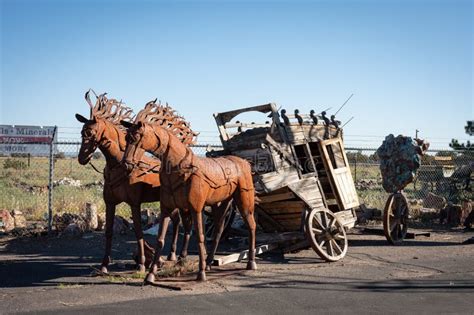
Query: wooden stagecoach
pixel 306 194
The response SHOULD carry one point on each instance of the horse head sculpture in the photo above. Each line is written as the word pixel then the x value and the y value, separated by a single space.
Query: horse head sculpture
pixel 105 110
pixel 140 131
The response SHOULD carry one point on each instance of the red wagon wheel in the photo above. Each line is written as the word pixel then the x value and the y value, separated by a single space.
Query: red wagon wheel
pixel 326 234
pixel 395 218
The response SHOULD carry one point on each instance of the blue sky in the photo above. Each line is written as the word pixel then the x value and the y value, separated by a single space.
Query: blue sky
pixel 409 63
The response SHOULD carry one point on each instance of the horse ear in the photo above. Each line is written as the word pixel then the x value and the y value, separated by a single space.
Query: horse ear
pixel 140 124
pixel 126 124
pixel 81 118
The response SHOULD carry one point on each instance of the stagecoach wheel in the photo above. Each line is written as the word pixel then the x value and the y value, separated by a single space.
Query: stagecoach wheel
pixel 395 218
pixel 326 234
pixel 210 226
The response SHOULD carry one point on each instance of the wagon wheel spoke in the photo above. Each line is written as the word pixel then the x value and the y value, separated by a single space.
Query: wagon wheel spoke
pixel 339 237
pixel 329 248
pixel 325 220
pixel 397 232
pixel 394 224
pixel 332 222
pixel 338 248
pixel 317 231
pixel 315 219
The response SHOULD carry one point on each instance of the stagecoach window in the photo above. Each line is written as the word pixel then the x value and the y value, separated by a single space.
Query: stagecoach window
pixel 303 159
pixel 336 155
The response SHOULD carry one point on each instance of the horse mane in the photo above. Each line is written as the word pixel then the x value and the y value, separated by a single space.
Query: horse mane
pixel 111 109
pixel 166 117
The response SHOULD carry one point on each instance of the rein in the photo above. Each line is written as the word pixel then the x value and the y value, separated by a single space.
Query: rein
pixel 95 168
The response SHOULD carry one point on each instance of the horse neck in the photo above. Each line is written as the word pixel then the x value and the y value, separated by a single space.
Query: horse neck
pixel 112 143
pixel 175 152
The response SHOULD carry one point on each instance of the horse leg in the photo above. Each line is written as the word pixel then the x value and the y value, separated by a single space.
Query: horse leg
pixel 109 231
pixel 164 221
pixel 137 226
pixel 197 218
pixel 218 215
pixel 176 220
pixel 186 218
pixel 246 203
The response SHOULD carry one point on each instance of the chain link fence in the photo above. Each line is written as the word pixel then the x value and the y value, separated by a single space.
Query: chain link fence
pixel 443 174
pixel 25 179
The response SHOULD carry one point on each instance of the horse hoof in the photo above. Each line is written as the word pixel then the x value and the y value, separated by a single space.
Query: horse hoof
pixel 251 265
pixel 150 278
pixel 172 257
pixel 201 276
pixel 103 269
pixel 141 268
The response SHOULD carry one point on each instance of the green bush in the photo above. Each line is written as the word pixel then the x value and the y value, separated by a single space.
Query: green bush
pixel 14 163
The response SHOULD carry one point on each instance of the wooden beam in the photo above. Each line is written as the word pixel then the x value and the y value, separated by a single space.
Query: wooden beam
pixel 243 254
pixel 268 219
pixel 278 197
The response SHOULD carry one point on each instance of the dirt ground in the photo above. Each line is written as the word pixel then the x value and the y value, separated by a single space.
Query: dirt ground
pixel 50 273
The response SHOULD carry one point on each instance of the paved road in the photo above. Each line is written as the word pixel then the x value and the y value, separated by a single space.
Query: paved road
pixel 427 275
pixel 430 295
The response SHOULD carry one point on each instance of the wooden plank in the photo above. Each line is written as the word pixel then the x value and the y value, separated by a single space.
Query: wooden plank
pixel 282 149
pixel 273 241
pixel 273 181
pixel 287 216
pixel 281 163
pixel 246 125
pixel 309 133
pixel 263 216
pixel 308 190
pixel 347 218
pixel 275 211
pixel 277 197
pixel 225 117
pixel 287 204
pixel 221 128
pixel 243 254
pixel 296 222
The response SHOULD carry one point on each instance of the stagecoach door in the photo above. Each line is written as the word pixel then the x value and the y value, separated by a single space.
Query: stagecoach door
pixel 339 173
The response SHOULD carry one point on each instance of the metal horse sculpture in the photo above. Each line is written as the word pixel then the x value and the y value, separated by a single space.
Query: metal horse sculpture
pixel 190 182
pixel 103 130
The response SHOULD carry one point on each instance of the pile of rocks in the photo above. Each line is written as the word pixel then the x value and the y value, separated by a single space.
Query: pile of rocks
pixel 399 160
pixel 76 224
pixel 66 181
pixel 457 214
pixel 72 224
pixel 366 184
pixel 434 208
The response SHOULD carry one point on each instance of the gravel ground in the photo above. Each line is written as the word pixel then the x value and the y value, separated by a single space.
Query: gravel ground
pixel 51 273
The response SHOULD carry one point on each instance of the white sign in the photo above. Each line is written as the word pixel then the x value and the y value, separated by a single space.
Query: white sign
pixel 34 140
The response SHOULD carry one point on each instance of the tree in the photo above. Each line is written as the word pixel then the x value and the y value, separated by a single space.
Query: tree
pixel 461 146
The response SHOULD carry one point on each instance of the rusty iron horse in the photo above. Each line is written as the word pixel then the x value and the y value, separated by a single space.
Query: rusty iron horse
pixel 103 131
pixel 190 182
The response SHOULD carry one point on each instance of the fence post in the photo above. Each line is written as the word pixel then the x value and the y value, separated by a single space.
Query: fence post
pixel 50 184
pixel 355 166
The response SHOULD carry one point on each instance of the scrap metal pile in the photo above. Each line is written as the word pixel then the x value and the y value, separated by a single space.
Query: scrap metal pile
pixel 399 159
